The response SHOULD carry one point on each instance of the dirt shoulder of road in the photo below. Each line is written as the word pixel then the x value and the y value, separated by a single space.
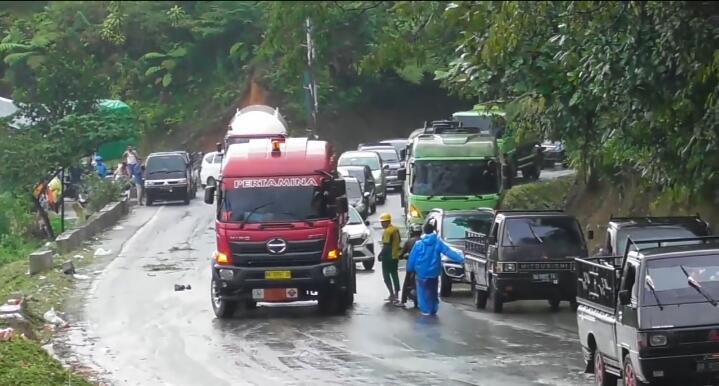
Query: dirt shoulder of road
pixel 23 360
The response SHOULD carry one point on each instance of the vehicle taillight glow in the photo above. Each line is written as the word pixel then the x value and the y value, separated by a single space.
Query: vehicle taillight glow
pixel 275 146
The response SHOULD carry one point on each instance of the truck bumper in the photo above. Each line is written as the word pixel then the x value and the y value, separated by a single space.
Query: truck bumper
pixel 688 369
pixel 523 287
pixel 237 283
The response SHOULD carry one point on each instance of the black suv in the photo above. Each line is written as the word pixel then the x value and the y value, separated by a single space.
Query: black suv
pixel 169 176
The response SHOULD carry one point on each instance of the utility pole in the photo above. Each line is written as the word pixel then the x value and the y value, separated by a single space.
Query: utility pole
pixel 310 86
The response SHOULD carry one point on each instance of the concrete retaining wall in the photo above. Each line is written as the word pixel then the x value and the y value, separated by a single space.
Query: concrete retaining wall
pixel 108 216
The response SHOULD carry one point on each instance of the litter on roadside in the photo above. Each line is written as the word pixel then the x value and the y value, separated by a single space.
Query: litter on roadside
pixel 102 252
pixel 52 317
pixel 78 257
pixel 81 277
pixel 182 287
pixel 6 334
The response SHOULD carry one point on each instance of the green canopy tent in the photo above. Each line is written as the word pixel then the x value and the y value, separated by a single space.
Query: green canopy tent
pixel 113 150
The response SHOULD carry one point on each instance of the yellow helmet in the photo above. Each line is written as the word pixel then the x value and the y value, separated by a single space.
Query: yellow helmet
pixel 385 217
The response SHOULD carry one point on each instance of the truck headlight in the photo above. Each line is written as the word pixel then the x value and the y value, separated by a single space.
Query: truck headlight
pixel 506 267
pixel 414 212
pixel 329 271
pixel 658 340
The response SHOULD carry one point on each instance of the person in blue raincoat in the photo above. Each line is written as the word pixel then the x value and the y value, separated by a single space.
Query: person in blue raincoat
pixel 100 167
pixel 425 261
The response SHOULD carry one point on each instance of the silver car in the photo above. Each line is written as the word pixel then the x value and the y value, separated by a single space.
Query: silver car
pixel 371 159
pixel 361 239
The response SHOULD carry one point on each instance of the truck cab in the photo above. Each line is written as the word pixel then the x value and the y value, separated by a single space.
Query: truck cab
pixel 451 171
pixel 527 255
pixel 280 210
pixel 653 319
pixel 524 155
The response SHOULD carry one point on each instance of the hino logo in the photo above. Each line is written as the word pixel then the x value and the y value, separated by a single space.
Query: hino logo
pixel 276 246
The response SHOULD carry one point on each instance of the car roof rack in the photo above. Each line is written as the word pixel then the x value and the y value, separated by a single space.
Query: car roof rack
pixel 655 218
pixel 636 243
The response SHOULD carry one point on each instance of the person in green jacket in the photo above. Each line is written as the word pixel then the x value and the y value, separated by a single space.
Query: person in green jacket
pixel 389 256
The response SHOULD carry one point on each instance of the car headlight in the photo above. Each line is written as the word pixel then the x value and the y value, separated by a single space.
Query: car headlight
pixel 658 340
pixel 366 234
pixel 182 181
pixel 506 267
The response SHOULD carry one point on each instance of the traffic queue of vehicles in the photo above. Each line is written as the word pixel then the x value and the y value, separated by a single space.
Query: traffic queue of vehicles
pixel 646 304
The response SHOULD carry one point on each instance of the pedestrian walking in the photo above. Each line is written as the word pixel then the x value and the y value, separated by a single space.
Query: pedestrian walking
pixel 100 167
pixel 409 290
pixel 425 261
pixel 131 160
pixel 389 256
pixel 139 180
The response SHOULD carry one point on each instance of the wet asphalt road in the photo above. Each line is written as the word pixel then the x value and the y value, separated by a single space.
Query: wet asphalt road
pixel 134 326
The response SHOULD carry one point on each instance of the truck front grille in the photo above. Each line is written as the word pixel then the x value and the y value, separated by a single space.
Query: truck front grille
pixel 256 254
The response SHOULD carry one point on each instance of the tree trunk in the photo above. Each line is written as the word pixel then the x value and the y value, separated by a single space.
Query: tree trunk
pixel 45 219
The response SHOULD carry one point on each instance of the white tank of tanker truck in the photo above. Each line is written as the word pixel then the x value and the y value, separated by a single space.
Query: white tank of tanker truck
pixel 256 121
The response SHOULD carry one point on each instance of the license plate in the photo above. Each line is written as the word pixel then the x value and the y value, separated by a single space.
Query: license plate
pixel 544 277
pixel 277 275
pixel 274 294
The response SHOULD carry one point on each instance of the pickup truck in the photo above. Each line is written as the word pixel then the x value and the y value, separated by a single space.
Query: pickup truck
pixel 620 229
pixel 527 255
pixel 654 317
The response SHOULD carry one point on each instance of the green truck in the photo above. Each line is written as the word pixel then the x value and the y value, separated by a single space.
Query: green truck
pixel 525 155
pixel 452 171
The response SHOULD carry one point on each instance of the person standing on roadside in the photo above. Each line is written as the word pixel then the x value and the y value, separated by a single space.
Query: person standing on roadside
pixel 131 158
pixel 100 167
pixel 425 261
pixel 408 286
pixel 389 256
pixel 139 180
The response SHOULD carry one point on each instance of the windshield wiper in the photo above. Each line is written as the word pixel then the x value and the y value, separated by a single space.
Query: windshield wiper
pixel 650 284
pixel 298 218
pixel 695 284
pixel 531 229
pixel 454 198
pixel 165 171
pixel 255 209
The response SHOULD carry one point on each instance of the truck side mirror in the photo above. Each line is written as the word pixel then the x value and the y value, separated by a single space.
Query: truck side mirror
pixel 341 204
pixel 624 297
pixel 366 194
pixel 385 167
pixel 590 235
pixel 402 174
pixel 210 194
pixel 337 188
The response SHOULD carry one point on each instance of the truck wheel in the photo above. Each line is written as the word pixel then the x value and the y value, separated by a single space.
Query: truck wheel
pixel 223 308
pixel 333 303
pixel 601 376
pixel 630 376
pixel 445 289
pixel 368 265
pixel 186 200
pixel 496 301
pixel 479 297
pixel 554 304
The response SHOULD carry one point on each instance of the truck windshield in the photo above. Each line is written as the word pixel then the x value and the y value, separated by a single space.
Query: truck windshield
pixel 671 282
pixel 273 204
pixel 454 227
pixel 165 164
pixel 557 236
pixel 490 124
pixel 454 178
pixel 372 162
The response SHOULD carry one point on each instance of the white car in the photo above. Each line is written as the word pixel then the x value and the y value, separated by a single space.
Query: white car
pixel 210 171
pixel 361 239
